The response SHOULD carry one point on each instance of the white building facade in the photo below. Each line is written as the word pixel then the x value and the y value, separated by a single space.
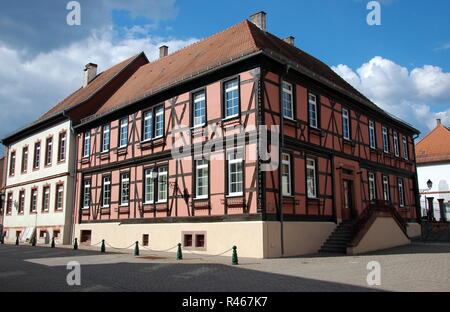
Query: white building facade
pixel 39 185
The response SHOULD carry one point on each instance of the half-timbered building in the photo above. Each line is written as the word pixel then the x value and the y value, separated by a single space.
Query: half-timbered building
pixel 343 165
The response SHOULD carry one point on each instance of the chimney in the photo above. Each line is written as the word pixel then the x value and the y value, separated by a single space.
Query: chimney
pixel 438 122
pixel 163 51
pixel 90 71
pixel 289 40
pixel 259 19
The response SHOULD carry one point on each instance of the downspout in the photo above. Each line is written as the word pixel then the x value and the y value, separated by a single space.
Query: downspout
pixel 416 184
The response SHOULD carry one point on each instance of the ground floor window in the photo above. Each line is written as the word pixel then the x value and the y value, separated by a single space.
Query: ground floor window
pixel 401 193
pixel 85 236
pixel 311 180
pixel 195 240
pixel 145 239
pixel 372 186
pixel 386 193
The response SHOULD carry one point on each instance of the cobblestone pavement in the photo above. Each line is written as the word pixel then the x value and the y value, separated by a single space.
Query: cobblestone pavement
pixel 417 267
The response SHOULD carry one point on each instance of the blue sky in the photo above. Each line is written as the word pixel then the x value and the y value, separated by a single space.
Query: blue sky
pixel 403 65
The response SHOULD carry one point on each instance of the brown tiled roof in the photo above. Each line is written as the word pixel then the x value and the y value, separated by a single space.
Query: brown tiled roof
pixel 85 93
pixel 435 146
pixel 233 43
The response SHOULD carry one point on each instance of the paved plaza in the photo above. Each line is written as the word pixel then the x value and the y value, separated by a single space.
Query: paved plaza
pixel 417 267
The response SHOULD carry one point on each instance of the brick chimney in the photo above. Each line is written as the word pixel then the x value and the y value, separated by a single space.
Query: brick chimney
pixel 438 122
pixel 290 40
pixel 259 19
pixel 163 51
pixel 90 72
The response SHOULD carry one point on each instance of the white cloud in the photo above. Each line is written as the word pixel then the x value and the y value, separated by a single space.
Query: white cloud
pixel 418 96
pixel 28 88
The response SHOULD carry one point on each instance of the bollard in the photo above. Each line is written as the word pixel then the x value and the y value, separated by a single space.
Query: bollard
pixel 136 248
pixel 33 241
pixel 234 257
pixel 53 243
pixel 2 239
pixel 179 253
pixel 17 240
pixel 102 249
pixel 75 245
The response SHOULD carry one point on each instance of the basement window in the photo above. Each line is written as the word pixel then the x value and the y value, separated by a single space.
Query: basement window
pixel 145 239
pixel 187 240
pixel 200 241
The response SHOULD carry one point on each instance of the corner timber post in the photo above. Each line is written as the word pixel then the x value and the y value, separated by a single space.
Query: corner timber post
pixel 234 257
pixel 102 248
pixel 75 245
pixel 136 248
pixel 179 253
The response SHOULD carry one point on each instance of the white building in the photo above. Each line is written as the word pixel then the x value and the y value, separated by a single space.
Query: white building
pixel 433 169
pixel 40 160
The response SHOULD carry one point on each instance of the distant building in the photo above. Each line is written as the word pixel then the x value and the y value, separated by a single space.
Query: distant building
pixel 433 169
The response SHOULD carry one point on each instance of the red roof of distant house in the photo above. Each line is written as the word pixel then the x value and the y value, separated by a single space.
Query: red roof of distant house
pixel 435 146
pixel 233 43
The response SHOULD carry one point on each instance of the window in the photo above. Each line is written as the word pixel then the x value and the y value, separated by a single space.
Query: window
pixel 311 182
pixel 123 139
pixel 37 155
pixel 59 196
pixel 401 193
pixel 150 176
pixel 46 198
pixel 148 126
pixel 201 178
pixel 235 174
pixel 48 151
pixel 199 109
pixel 42 233
pixel 231 97
pixel 86 194
pixel 12 164
pixel 386 192
pixel 25 159
pixel 9 203
pixel 159 122
pixel 312 110
pixel 405 148
pixel 286 174
pixel 56 233
pixel 106 192
pixel 145 239
pixel 372 134
pixel 345 124
pixel 87 144
pixel 124 189
pixel 34 199
pixel 385 140
pixel 106 131
pixel 187 240
pixel 150 129
pixel 287 100
pixel 62 147
pixel 200 240
pixel 396 146
pixel 21 201
pixel 162 184
pixel 372 186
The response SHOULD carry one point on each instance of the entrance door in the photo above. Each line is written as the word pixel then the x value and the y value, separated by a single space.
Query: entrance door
pixel 347 203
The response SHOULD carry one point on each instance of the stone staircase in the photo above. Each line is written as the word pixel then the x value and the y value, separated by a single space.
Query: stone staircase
pixel 338 240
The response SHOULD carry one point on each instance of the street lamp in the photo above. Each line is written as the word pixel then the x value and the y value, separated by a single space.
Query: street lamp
pixel 429 184
pixel 430 206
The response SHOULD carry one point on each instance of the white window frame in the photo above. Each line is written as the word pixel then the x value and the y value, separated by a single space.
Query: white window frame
pixel 123 125
pixel 396 145
pixel 106 138
pixel 405 148
pixel 147 135
pixel 37 156
pixel 372 186
pixel 196 100
pixel 345 124
pixel 385 140
pixel 106 181
pixel 124 178
pixel 200 165
pixel 159 111
pixel 372 138
pixel 231 89
pixel 386 190
pixel 287 89
pixel 62 146
pixel 87 144
pixel 286 162
pixel 235 160
pixel 46 194
pixel 312 110
pixel 48 151
pixel 86 192
pixel 34 200
pixel 59 191
pixel 162 172
pixel 311 166
pixel 401 192
pixel 149 176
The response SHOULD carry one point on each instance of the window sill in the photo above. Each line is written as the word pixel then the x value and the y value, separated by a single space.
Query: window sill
pixel 235 195
pixel 315 131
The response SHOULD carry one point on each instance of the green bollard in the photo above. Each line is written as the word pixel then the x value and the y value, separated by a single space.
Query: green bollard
pixel 179 253
pixel 17 240
pixel 136 249
pixel 33 241
pixel 53 243
pixel 234 257
pixel 75 245
pixel 102 249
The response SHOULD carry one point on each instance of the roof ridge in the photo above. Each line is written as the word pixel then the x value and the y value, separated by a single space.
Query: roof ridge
pixel 431 132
